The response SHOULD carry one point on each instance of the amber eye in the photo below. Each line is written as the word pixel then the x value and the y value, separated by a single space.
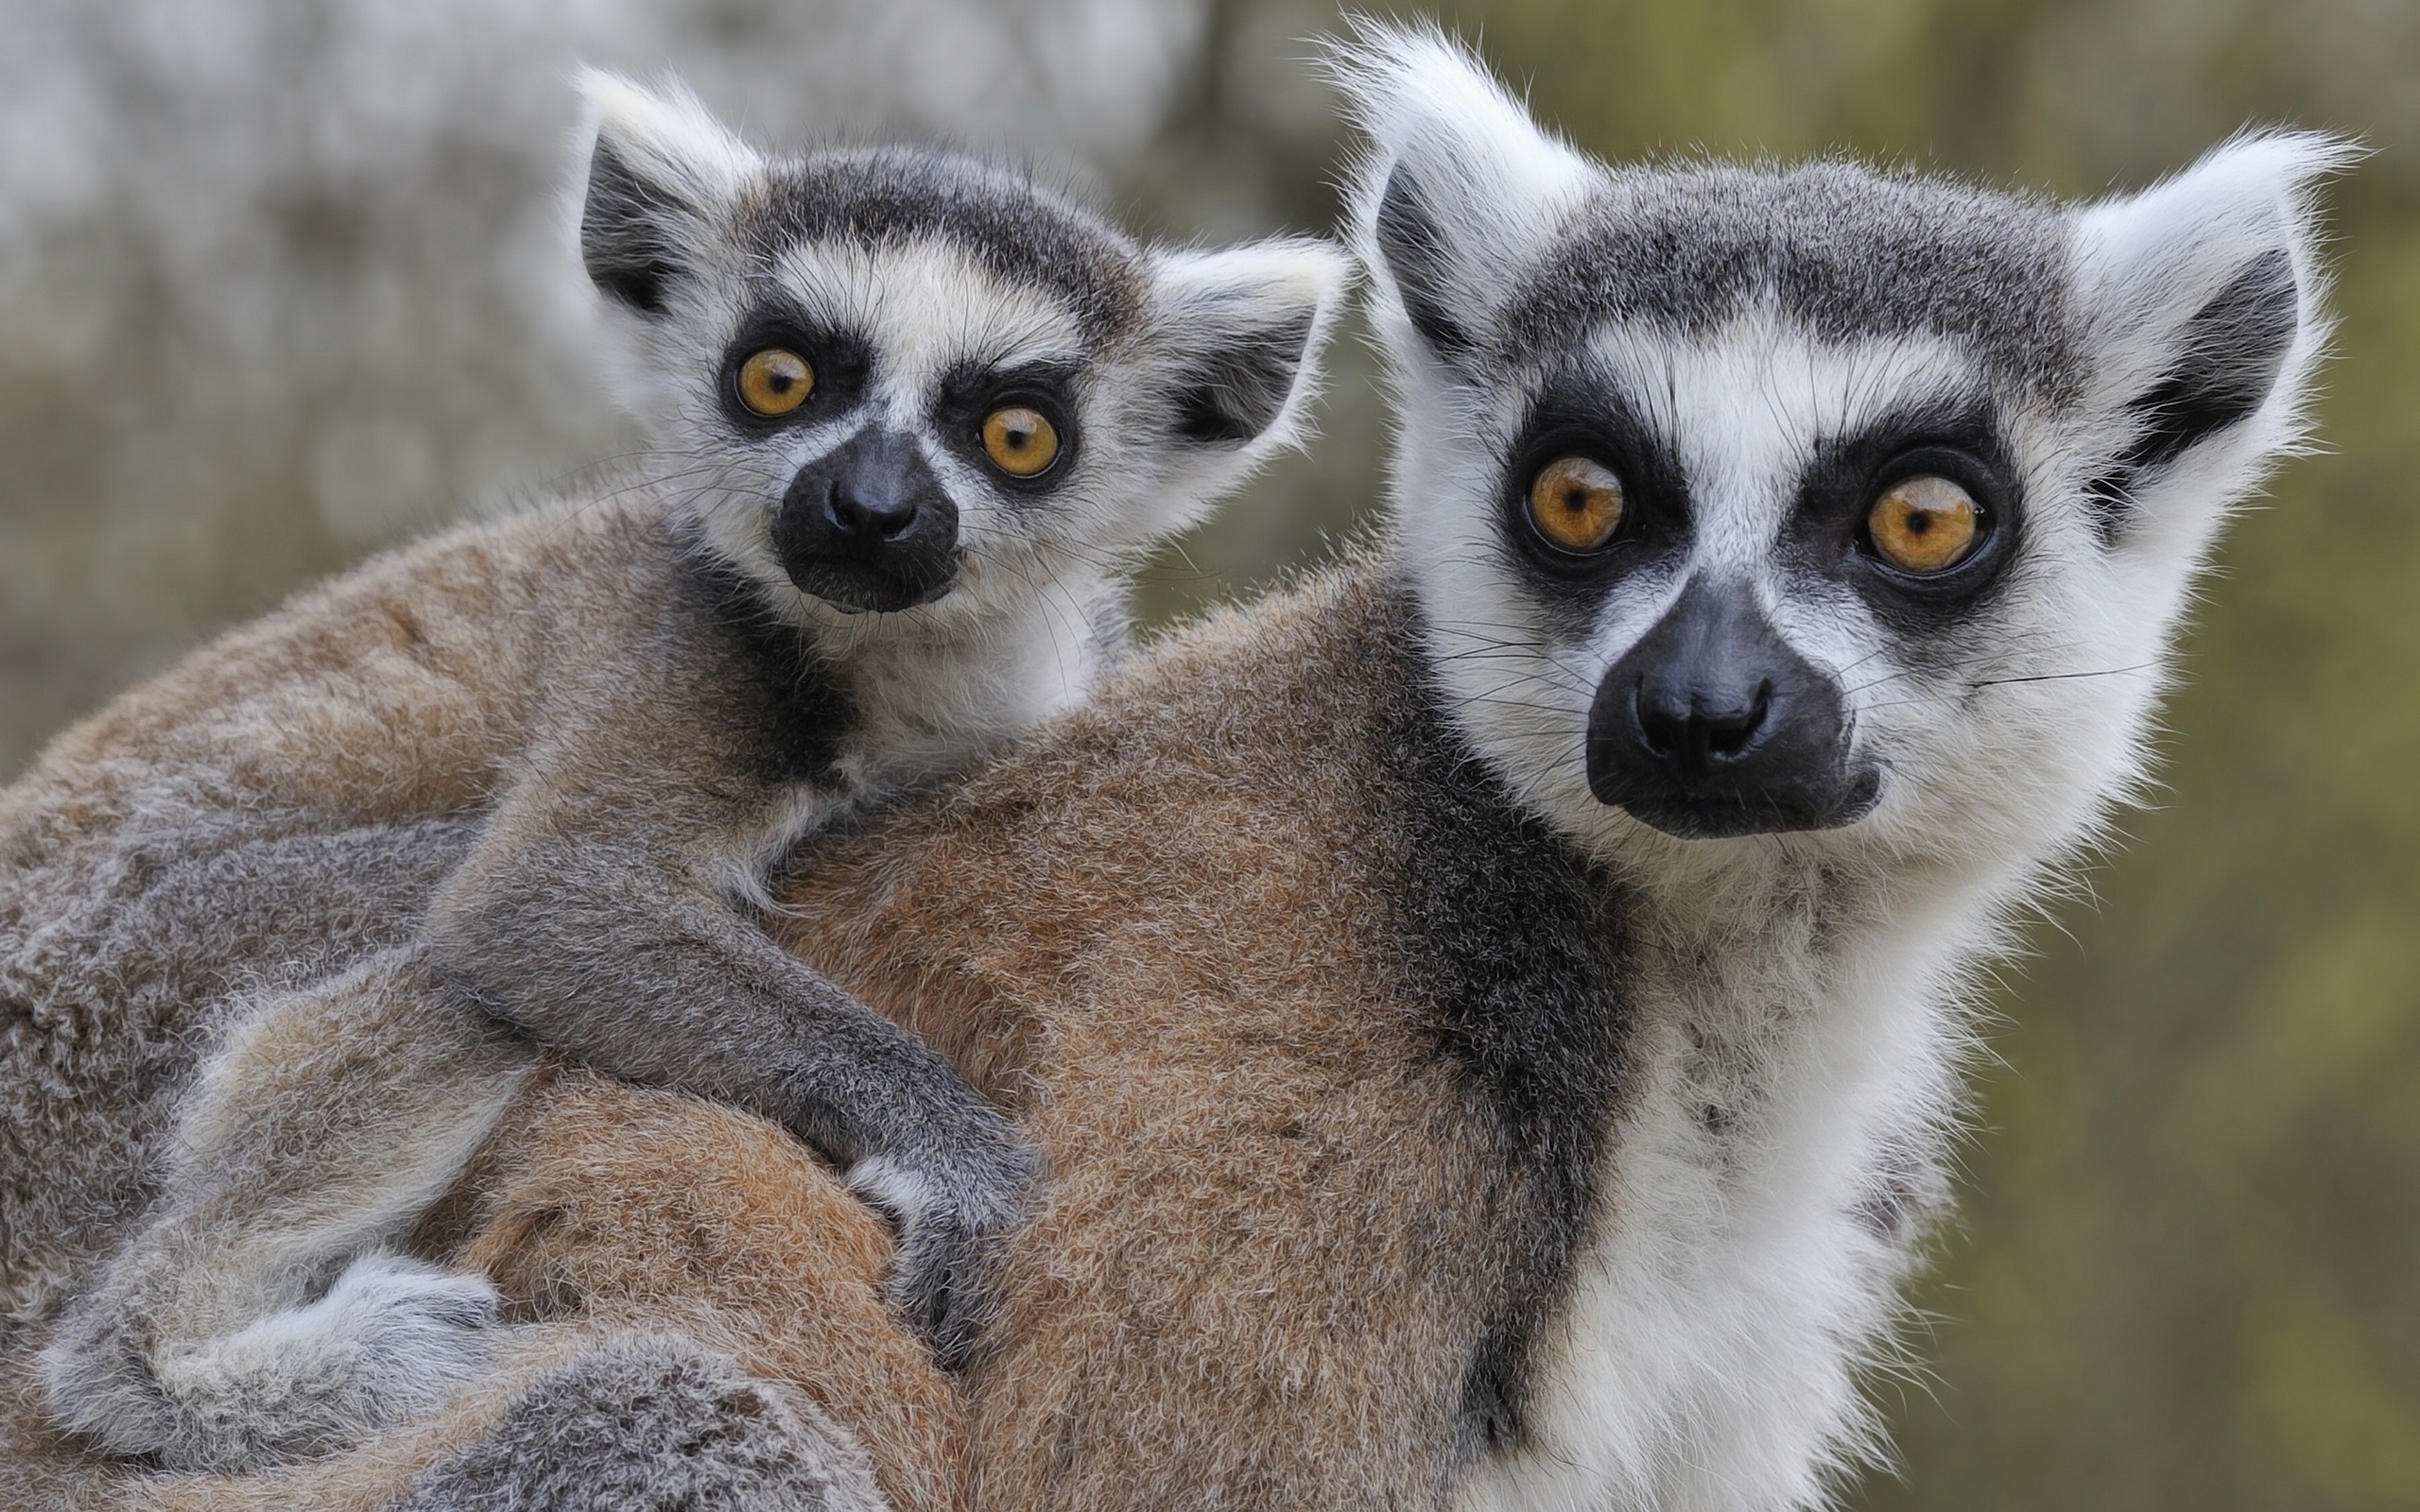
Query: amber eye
pixel 1576 504
pixel 1925 524
pixel 775 381
pixel 1020 442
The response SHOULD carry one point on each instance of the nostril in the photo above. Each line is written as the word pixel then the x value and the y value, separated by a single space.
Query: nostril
pixel 857 516
pixel 1728 734
pixel 1661 728
pixel 1681 727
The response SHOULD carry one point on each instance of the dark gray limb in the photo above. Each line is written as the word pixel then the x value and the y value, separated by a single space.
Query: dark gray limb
pixel 645 1424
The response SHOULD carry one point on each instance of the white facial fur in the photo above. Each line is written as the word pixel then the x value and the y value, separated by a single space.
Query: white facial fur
pixel 929 304
pixel 1800 999
pixel 2010 730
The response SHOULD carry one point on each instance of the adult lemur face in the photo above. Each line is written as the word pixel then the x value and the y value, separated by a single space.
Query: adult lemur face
pixel 901 380
pixel 1753 501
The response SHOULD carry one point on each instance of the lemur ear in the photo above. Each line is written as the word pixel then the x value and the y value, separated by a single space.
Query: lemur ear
pixel 1243 327
pixel 2202 299
pixel 661 169
pixel 1459 191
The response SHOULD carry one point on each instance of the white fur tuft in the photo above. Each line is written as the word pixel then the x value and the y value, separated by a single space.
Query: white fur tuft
pixel 2147 264
pixel 668 137
pixel 1291 287
pixel 1494 184
pixel 386 1344
pixel 1428 103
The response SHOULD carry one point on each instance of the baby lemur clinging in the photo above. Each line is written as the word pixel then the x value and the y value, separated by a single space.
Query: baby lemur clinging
pixel 913 411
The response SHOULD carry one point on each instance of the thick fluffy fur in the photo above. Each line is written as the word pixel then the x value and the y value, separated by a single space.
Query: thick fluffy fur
pixel 1303 1199
pixel 584 735
pixel 759 1261
pixel 2134 366
pixel 1271 952
pixel 652 1425
pixel 1419 1129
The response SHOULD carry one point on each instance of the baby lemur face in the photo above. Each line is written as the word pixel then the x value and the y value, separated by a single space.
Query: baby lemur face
pixel 896 380
pixel 1817 503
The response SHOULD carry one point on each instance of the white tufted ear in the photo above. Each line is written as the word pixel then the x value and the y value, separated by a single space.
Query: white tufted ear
pixel 2203 317
pixel 1459 188
pixel 662 173
pixel 1242 329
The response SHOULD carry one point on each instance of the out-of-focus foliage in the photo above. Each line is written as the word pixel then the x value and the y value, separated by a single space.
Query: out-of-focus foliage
pixel 278 282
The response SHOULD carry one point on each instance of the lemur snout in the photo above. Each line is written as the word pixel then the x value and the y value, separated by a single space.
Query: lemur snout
pixel 1697 729
pixel 867 527
pixel 1713 725
pixel 869 515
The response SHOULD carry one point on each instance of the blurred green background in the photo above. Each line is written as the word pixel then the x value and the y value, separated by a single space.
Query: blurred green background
pixel 2187 1268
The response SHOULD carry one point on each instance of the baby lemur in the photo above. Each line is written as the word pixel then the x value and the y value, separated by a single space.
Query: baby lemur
pixel 912 412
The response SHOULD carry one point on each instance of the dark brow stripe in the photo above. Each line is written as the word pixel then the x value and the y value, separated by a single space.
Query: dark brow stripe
pixel 1019 230
pixel 1845 251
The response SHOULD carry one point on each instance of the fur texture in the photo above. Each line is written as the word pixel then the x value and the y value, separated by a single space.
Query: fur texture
pixel 1420 1129
pixel 652 1425
pixel 1341 1208
pixel 1782 339
pixel 589 732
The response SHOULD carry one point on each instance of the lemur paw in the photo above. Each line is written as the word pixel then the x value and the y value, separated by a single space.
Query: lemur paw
pixel 951 1217
pixel 383 1345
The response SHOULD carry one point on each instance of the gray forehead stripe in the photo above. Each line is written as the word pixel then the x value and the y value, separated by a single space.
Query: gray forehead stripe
pixel 1022 233
pixel 1845 251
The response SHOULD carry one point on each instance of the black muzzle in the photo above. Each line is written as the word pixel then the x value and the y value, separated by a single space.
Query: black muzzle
pixel 867 528
pixel 1712 726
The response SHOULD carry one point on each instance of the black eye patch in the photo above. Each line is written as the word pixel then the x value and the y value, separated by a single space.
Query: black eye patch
pixel 972 391
pixel 1577 416
pixel 1830 534
pixel 841 364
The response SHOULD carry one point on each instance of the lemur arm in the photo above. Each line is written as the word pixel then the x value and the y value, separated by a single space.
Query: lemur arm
pixel 602 912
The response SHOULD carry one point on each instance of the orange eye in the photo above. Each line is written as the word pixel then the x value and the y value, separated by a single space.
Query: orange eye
pixel 1576 504
pixel 1020 442
pixel 774 382
pixel 1925 524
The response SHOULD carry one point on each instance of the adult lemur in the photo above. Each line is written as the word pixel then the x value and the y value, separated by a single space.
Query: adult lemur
pixel 913 411
pixel 1490 1017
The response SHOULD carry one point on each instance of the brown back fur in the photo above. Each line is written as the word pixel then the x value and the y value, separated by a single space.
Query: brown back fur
pixel 1163 935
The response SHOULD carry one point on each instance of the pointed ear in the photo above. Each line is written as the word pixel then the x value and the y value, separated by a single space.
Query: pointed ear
pixel 1459 190
pixel 661 173
pixel 1242 328
pixel 2202 300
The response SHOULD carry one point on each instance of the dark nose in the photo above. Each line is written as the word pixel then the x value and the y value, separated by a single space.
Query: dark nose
pixel 1696 728
pixel 869 505
pixel 1712 724
pixel 867 527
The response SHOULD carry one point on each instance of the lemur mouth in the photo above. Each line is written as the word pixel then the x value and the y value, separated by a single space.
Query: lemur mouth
pixel 868 529
pixel 868 588
pixel 1722 816
pixel 1712 726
